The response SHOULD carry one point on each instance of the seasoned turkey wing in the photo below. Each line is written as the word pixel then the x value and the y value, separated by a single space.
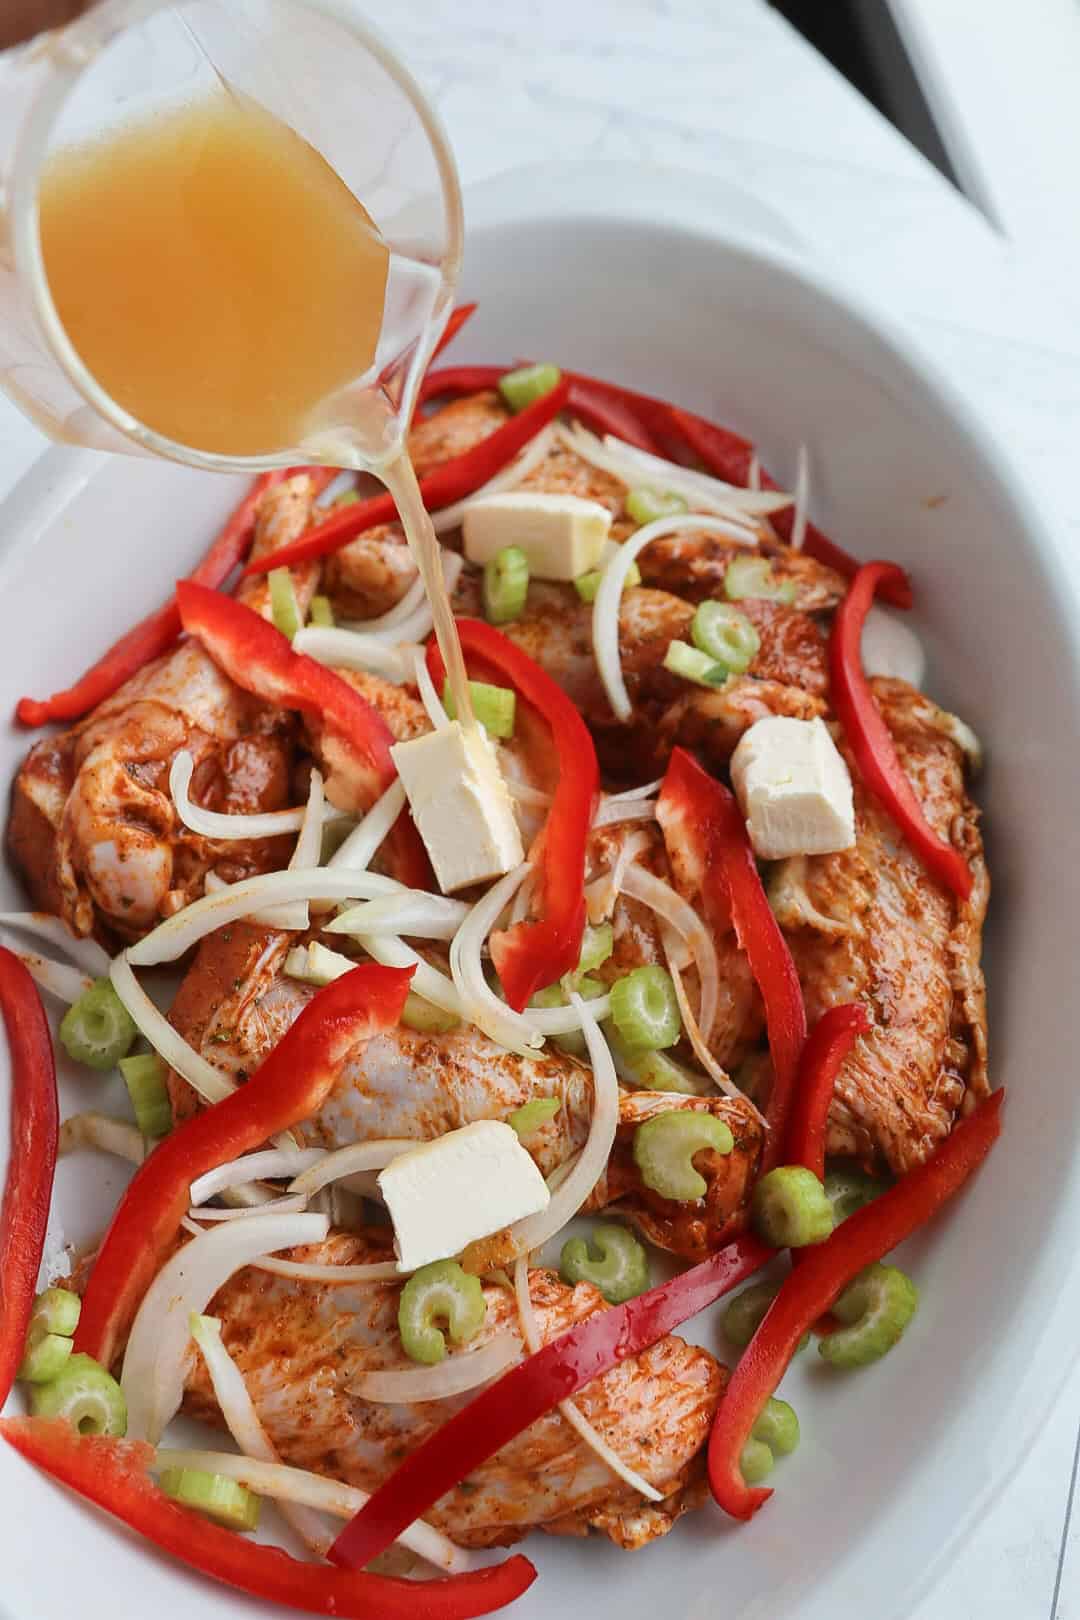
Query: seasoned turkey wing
pixel 869 924
pixel 235 1004
pixel 302 1347
pixel 93 828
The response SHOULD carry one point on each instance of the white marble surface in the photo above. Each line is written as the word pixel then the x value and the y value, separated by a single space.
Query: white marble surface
pixel 724 86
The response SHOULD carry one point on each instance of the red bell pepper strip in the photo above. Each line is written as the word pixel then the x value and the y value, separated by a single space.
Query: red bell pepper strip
pixel 261 660
pixel 289 1085
pixel 824 1271
pixel 24 1212
pixel 871 741
pixel 699 816
pixel 155 634
pixel 601 406
pixel 533 954
pixel 554 1373
pixel 458 317
pixel 114 1475
pixel 450 481
pixel 829 1043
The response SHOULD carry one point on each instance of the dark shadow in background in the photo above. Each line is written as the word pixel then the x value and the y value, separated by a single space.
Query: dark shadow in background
pixel 860 39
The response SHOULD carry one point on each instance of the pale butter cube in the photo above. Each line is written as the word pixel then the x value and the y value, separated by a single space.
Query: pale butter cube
pixel 460 805
pixel 794 789
pixel 445 1194
pixel 562 536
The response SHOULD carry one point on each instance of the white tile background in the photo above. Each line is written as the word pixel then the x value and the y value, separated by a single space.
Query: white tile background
pixel 724 86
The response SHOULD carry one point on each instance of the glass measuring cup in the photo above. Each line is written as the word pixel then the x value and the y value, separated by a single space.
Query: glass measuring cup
pixel 315 66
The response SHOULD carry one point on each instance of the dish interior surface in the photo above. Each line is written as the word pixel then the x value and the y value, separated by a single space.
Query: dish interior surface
pixel 896 1460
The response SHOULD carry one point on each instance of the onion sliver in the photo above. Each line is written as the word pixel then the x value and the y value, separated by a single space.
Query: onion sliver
pixel 612 811
pixel 461 1371
pixel 564 1020
pixel 172 938
pixel 705 494
pixel 641 884
pixel 436 711
pixel 508 478
pixel 535 1230
pixel 167 1042
pixel 86 953
pixel 378 1271
pixel 530 1328
pixel 254 1167
pixel 154 1361
pixel 60 979
pixel 605 618
pixel 482 1006
pixel 427 981
pixel 347 1161
pixel 648 791
pixel 214 824
pixel 243 1423
pixel 416 625
pixel 353 649
pixel 602 893
pixel 285 1484
pixel 360 846
pixel 288 1204
pixel 425 916
pixel 306 852
pixel 733 498
pixel 107 1135
pixel 717 1074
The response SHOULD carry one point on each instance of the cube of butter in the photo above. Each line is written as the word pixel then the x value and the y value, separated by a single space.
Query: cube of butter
pixel 460 805
pixel 445 1194
pixel 562 536
pixel 794 788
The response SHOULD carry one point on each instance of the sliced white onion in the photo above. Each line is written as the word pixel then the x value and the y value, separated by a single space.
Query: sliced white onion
pixel 602 893
pixel 564 1020
pixel 86 953
pixel 612 811
pixel 641 884
pixel 402 609
pixel 254 1167
pixel 400 1386
pixel 107 1135
pixel 352 649
pixel 157 1349
pixel 507 478
pixel 535 1230
pixel 214 824
pixel 482 1006
pixel 284 1484
pixel 530 1328
pixel 60 979
pixel 245 1426
pixel 522 902
pixel 167 1042
pixel 802 496
pixel 425 916
pixel 356 853
pixel 436 711
pixel 172 938
pixel 288 1205
pixel 701 486
pixel 295 916
pixel 717 1074
pixel 379 1271
pixel 633 466
pixel 347 1161
pixel 649 791
pixel 289 919
pixel 427 981
pixel 605 616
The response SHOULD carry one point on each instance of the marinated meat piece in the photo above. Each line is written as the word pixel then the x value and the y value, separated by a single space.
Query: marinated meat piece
pixel 302 1346
pixel 92 825
pixel 869 924
pixel 693 565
